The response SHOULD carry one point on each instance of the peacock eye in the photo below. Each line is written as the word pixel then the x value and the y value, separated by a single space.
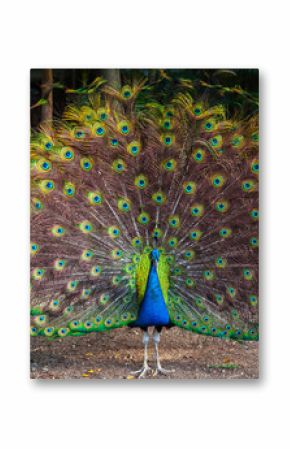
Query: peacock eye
pixel 159 198
pixel 95 198
pixel 114 142
pixel 96 270
pixel 48 145
pixel 124 129
pixel 197 210
pixel 169 165
pixel 254 241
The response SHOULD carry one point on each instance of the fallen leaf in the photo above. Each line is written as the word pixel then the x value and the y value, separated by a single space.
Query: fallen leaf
pixel 85 375
pixel 130 377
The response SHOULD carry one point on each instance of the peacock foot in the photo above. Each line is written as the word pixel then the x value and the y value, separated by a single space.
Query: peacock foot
pixel 143 371
pixel 164 371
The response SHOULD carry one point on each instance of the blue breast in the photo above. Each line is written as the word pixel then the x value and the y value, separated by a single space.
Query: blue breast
pixel 153 311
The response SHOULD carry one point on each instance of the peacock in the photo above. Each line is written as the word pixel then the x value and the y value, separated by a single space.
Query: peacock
pixel 144 213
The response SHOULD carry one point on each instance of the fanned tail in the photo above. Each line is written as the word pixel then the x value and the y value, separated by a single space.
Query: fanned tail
pixel 111 181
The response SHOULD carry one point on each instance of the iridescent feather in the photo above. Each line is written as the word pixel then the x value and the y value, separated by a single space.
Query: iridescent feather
pixel 111 182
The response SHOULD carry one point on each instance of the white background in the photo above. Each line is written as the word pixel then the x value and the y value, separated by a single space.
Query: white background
pixel 146 33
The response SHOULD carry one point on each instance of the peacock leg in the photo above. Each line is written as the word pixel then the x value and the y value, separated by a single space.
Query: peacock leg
pixel 159 369
pixel 145 368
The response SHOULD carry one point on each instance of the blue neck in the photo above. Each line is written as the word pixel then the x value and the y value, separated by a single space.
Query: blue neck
pixel 153 311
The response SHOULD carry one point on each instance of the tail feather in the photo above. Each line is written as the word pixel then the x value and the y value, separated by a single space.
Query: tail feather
pixel 109 181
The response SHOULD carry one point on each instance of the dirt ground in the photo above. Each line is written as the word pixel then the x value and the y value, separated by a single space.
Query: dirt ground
pixel 112 355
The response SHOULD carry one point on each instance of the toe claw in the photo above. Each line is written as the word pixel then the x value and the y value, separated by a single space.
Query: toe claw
pixel 164 371
pixel 143 371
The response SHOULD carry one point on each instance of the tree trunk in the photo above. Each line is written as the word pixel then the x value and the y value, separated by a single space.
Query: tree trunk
pixel 47 93
pixel 113 76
